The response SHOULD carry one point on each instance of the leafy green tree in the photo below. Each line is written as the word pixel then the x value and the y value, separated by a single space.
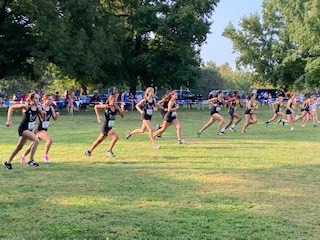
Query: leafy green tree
pixel 236 80
pixel 209 79
pixel 281 47
pixel 163 40
pixel 16 39
pixel 109 42
pixel 303 25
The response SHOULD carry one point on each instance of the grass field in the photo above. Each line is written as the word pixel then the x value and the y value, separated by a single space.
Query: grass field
pixel 260 185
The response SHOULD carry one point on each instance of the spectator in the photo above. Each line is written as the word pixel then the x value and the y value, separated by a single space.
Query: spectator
pixel 17 95
pixel 139 97
pixel 57 99
pixel 76 101
pixel 84 101
pixel 270 100
pixel 23 98
pixel 122 96
pixel 265 97
pixel 69 100
pixel 131 97
pixel 2 97
pixel 77 94
pixel 260 98
pixel 95 98
pixel 228 96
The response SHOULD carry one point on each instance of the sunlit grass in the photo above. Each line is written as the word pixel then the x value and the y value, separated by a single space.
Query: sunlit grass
pixel 261 185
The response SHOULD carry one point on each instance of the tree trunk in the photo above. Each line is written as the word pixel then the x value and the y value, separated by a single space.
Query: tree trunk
pixel 3 13
pixel 133 89
pixel 84 89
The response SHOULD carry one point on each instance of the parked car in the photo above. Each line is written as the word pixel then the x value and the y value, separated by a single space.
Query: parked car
pixel 102 97
pixel 274 92
pixel 185 95
pixel 215 91
pixel 139 92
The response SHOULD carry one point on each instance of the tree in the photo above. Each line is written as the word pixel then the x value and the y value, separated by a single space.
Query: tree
pixel 110 42
pixel 236 80
pixel 209 79
pixel 278 47
pixel 303 25
pixel 16 39
pixel 166 36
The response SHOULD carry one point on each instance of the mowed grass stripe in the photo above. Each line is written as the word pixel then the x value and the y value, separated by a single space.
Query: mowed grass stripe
pixel 261 185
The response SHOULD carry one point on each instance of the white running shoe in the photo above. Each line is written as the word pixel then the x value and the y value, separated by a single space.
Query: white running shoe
pixel 110 154
pixel 232 129
pixel 128 134
pixel 156 146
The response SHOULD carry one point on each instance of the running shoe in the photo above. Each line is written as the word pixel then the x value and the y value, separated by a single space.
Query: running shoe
pixel 156 146
pixel 219 133
pixel 198 134
pixel 7 165
pixel 279 120
pixel 22 159
pixel 128 134
pixel 46 158
pixel 243 132
pixel 181 141
pixel 32 163
pixel 88 153
pixel 232 129
pixel 266 123
pixel 158 127
pixel 110 154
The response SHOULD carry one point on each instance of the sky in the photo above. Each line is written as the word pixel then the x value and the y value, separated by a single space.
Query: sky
pixel 217 48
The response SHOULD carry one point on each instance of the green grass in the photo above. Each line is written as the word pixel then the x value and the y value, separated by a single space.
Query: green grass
pixel 261 185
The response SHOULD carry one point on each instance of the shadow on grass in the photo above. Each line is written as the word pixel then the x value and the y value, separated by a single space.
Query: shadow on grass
pixel 127 201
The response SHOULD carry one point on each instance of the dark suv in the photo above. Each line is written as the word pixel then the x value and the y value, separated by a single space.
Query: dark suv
pixel 274 92
pixel 185 95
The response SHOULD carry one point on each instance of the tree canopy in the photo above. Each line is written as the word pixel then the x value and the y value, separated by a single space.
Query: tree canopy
pixel 281 47
pixel 155 42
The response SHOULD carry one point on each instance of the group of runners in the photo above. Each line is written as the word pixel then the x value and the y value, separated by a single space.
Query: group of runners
pixel 31 131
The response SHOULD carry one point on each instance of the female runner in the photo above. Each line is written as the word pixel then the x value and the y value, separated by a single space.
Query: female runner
pixel 111 109
pixel 289 111
pixel 42 129
pixel 31 110
pixel 249 113
pixel 315 103
pixel 146 107
pixel 234 102
pixel 217 102
pixel 170 117
pixel 305 110
pixel 276 108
